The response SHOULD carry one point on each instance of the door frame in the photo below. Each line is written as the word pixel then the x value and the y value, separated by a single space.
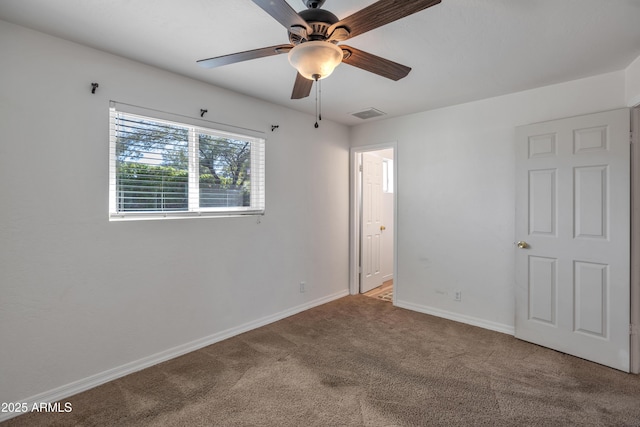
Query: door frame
pixel 634 346
pixel 355 190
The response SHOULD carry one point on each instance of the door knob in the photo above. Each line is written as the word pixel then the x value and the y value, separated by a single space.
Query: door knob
pixel 382 228
pixel 523 245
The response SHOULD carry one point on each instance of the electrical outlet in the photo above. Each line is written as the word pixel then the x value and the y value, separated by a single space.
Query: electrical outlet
pixel 303 287
pixel 457 295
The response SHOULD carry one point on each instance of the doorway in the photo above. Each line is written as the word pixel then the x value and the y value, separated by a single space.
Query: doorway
pixel 373 221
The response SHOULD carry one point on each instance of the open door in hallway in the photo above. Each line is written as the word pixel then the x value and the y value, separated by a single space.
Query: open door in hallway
pixel 373 218
pixel 372 227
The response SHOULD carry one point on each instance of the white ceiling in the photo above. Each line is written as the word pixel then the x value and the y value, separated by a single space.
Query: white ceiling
pixel 459 50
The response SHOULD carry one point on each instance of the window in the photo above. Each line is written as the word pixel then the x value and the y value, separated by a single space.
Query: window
pixel 163 169
pixel 387 175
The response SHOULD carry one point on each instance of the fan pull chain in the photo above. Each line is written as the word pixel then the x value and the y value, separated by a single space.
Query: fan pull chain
pixel 316 125
pixel 320 100
pixel 318 105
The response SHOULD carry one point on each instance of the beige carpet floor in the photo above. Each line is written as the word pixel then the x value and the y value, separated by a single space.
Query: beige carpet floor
pixel 360 361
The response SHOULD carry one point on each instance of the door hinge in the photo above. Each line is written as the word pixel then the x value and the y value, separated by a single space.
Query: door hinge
pixel 633 330
pixel 360 168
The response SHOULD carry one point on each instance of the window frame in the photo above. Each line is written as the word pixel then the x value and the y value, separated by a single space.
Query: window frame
pixel 195 128
pixel 387 175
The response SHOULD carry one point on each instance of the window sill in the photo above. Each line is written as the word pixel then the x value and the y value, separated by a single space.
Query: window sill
pixel 148 216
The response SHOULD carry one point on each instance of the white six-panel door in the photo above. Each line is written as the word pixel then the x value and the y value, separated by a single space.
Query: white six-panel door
pixel 573 228
pixel 371 241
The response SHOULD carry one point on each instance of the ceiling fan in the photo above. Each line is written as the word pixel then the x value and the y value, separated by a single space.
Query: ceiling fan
pixel 314 34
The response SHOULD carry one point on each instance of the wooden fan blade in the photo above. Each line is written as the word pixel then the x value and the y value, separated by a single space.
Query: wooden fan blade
pixel 285 15
pixel 302 87
pixel 374 64
pixel 244 56
pixel 380 13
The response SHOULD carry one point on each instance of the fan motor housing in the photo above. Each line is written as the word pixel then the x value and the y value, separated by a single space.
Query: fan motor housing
pixel 319 20
pixel 313 4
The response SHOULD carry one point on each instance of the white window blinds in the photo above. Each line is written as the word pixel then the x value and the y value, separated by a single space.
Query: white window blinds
pixel 161 168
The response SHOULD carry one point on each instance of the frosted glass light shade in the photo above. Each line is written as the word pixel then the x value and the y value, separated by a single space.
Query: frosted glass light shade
pixel 315 58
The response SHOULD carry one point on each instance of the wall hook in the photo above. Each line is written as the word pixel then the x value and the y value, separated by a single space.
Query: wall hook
pixel 202 112
pixel 94 86
pixel 274 127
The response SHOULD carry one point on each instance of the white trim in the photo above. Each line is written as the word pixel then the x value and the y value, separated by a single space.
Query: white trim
pixel 634 344
pixel 474 321
pixel 229 212
pixel 354 223
pixel 354 226
pixel 634 102
pixel 193 171
pixel 67 390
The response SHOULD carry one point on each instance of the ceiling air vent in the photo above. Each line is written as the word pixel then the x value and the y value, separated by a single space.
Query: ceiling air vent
pixel 369 113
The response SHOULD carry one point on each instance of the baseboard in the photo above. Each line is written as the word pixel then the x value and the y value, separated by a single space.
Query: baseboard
pixel 68 390
pixel 474 321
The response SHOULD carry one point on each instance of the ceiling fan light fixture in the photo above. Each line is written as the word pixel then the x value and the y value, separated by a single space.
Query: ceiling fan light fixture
pixel 315 60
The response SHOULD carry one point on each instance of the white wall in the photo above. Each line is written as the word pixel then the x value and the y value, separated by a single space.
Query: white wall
pixel 80 295
pixel 632 75
pixel 456 196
